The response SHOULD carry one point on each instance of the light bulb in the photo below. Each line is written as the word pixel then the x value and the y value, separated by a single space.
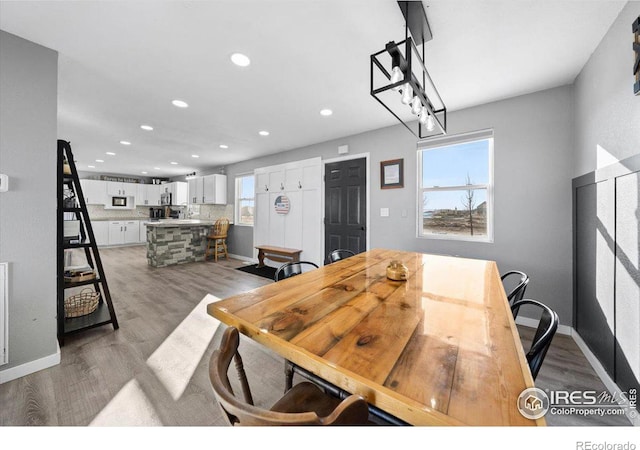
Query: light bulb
pixel 424 115
pixel 430 123
pixel 396 75
pixel 416 105
pixel 407 93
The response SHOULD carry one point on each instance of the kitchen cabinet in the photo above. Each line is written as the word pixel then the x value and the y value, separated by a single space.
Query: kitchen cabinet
pixel 124 232
pixel 195 188
pixel 117 188
pixel 143 232
pixel 209 189
pixel 179 193
pixel 215 189
pixel 94 192
pixel 153 194
pixel 142 197
pixel 101 232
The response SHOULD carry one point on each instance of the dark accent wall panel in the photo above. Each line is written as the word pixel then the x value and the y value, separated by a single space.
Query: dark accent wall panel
pixel 594 270
pixel 627 287
pixel 606 269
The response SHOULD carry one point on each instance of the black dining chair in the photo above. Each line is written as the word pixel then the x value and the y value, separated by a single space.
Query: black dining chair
pixel 290 269
pixel 339 254
pixel 544 333
pixel 517 293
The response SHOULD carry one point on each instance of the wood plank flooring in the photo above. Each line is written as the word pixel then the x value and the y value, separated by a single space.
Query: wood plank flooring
pixel 153 370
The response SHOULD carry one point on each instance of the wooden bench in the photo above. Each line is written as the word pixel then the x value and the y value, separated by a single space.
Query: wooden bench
pixel 280 254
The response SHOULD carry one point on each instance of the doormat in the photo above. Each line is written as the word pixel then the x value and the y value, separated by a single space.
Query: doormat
pixel 265 271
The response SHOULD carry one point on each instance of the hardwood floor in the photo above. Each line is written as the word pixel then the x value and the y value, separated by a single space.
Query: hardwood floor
pixel 153 370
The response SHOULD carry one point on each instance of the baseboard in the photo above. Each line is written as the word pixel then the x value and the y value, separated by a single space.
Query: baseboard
pixel 608 382
pixel 600 371
pixel 243 258
pixel 30 367
pixel 533 323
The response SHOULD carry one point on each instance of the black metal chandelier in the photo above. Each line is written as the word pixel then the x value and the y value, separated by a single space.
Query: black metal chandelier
pixel 400 80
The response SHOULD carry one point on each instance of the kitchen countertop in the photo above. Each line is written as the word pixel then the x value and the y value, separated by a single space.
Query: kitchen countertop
pixel 167 223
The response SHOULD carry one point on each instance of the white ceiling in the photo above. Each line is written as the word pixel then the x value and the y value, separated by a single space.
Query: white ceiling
pixel 122 63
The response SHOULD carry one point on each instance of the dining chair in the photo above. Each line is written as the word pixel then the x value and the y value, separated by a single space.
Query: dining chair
pixel 217 240
pixel 304 404
pixel 290 269
pixel 339 254
pixel 544 333
pixel 517 293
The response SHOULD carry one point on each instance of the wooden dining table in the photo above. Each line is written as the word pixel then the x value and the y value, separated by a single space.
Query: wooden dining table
pixel 440 348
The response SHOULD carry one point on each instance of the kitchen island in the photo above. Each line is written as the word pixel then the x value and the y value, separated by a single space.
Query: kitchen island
pixel 176 241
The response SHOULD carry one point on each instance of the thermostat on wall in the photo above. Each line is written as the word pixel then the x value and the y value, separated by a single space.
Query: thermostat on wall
pixel 4 183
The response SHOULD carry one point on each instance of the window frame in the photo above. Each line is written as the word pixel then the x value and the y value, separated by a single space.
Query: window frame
pixel 238 199
pixel 446 141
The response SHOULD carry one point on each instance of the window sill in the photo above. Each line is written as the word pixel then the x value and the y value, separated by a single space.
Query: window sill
pixel 485 240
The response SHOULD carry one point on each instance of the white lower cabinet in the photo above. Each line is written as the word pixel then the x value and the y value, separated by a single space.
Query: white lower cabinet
pixel 132 232
pixel 124 232
pixel 101 231
pixel 143 232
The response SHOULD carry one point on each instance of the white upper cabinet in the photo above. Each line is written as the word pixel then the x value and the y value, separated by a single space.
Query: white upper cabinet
pixel 195 190
pixel 153 194
pixel 118 189
pixel 142 194
pixel 215 189
pixel 94 191
pixel 179 193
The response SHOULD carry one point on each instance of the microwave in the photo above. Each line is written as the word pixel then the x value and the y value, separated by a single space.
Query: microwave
pixel 119 201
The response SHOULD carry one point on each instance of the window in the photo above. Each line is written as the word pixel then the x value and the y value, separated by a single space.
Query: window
pixel 455 187
pixel 245 193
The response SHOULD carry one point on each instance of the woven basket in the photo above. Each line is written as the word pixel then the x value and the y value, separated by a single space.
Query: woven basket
pixel 81 304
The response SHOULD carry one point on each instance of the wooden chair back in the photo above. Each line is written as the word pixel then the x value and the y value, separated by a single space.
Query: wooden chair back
pixel 220 228
pixel 244 412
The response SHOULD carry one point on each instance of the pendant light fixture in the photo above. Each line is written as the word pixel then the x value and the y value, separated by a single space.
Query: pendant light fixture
pixel 399 68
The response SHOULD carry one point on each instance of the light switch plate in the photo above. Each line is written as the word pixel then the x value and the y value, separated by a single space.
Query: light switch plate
pixel 4 182
pixel 384 212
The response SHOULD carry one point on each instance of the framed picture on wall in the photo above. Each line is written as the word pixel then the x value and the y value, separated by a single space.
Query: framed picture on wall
pixel 392 174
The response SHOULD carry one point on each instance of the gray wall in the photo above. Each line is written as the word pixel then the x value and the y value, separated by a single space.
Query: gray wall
pixel 28 124
pixel 607 114
pixel 532 228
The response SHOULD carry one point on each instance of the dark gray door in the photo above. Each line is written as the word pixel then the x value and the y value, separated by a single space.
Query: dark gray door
pixel 345 212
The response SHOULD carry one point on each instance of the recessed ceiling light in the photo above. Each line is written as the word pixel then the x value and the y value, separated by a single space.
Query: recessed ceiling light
pixel 111 154
pixel 146 127
pixel 326 112
pixel 224 146
pixel 180 104
pixel 240 60
pixel 174 163
pixel 143 172
pixel 91 167
pixel 125 142
pixel 263 133
pixel 195 156
pixel 99 160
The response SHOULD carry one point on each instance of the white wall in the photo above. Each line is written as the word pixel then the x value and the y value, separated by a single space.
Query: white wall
pixel 607 114
pixel 28 124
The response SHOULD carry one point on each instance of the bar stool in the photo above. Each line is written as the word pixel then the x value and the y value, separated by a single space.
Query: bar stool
pixel 217 240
